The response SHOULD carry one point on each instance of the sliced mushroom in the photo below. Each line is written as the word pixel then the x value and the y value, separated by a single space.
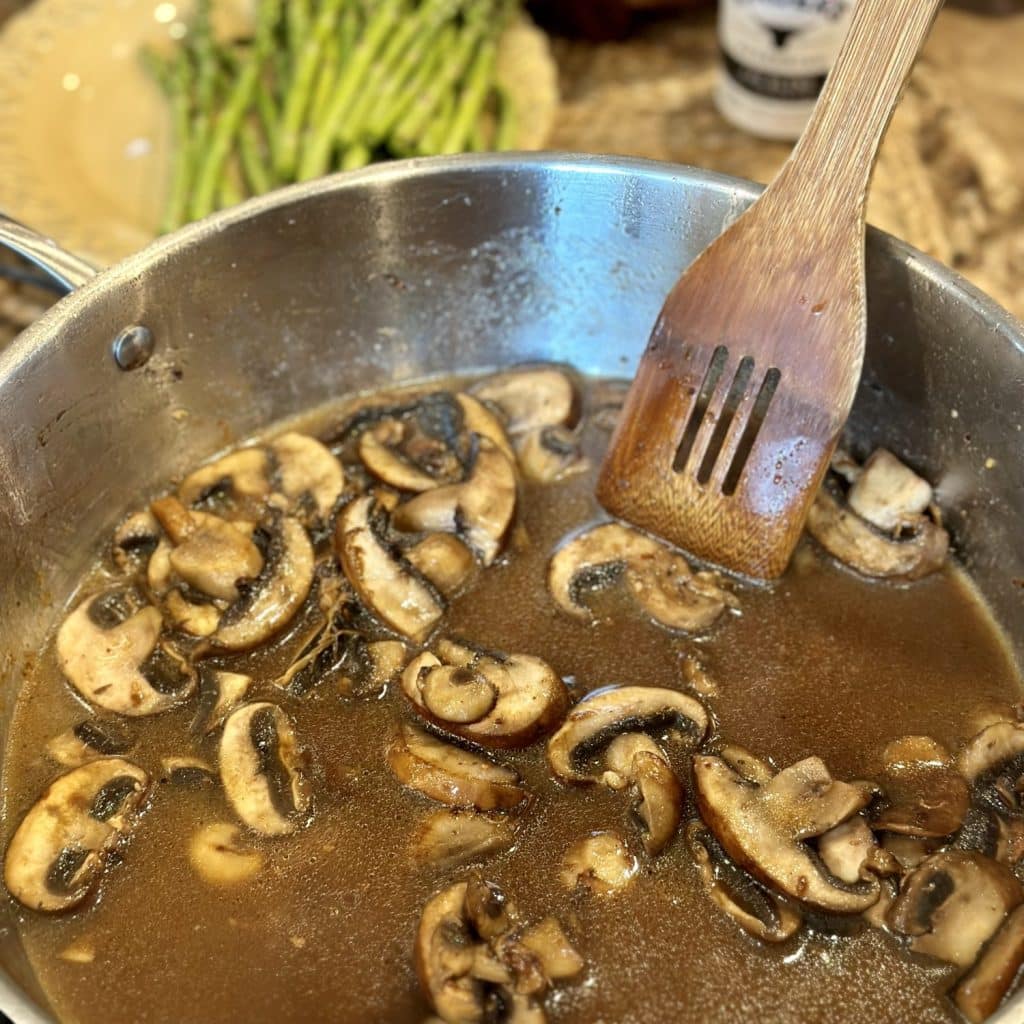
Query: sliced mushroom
pixel 851 852
pixel 219 857
pixel 447 839
pixel 479 509
pixel 210 554
pixel 997 751
pixel 261 769
pixel 953 904
pixel 241 478
pixel 445 952
pixel 659 578
pixel 547 942
pixel 444 560
pixel 187 771
pixel 909 851
pixel 388 587
pixel 530 397
pixel 599 862
pixel 979 993
pixel 636 761
pixel 276 594
pixel 377 450
pixel 478 419
pixel 550 454
pixel 495 700
pixel 87 741
pixel 884 532
pixel 601 716
pixel 220 692
pixel 451 775
pixel 307 471
pixel 888 494
pixel 764 828
pixel 756 910
pixel 59 850
pixel 111 657
pixel 926 795
pixel 135 539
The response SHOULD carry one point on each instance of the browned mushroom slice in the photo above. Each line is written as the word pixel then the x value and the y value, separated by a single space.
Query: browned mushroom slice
pixel 909 851
pixel 388 587
pixel 601 716
pixel 218 855
pixel 763 828
pixel 449 774
pixel 135 539
pixel 220 692
pixel 979 993
pixel 993 760
pixel 378 451
pixel 888 494
pixel 634 760
pixel 599 862
pixel 88 741
pixel 277 593
pixel 444 560
pixel 449 838
pixel 756 910
pixel 306 471
pixel 659 578
pixel 953 904
pixel 210 554
pixel 239 479
pixel 550 454
pixel 479 509
pixel 530 397
pixel 926 795
pixel 186 771
pixel 884 530
pixel 261 770
pixel 59 850
pixel 478 419
pixel 109 653
pixel 851 852
pixel 495 700
pixel 445 953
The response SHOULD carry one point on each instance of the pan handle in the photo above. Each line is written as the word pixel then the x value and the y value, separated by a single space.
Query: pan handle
pixel 65 271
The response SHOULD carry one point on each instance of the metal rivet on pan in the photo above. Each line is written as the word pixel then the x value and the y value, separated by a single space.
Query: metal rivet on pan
pixel 133 347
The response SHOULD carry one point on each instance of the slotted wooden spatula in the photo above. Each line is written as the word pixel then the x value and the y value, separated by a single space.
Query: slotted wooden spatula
pixel 751 369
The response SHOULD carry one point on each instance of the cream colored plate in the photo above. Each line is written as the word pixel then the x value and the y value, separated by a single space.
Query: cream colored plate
pixel 85 135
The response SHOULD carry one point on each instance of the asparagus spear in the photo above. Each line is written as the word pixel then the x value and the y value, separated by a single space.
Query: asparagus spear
pixel 317 154
pixel 238 99
pixel 507 133
pixel 471 98
pixel 254 161
pixel 300 88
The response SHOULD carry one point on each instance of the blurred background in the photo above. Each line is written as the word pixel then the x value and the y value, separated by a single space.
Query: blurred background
pixel 123 118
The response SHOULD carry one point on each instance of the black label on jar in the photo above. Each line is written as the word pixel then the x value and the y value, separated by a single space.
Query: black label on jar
pixel 779 87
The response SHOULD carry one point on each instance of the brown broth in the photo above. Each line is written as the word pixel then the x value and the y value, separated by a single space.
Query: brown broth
pixel 822 663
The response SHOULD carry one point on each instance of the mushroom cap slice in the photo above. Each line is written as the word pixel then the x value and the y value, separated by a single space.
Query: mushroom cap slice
pixel 447 839
pixel 478 419
pixel 59 850
pixel 639 762
pixel 220 692
pixel 501 702
pixel 305 467
pixel 390 589
pixel 444 560
pixel 888 494
pixel 242 476
pixel 599 862
pixel 763 828
pixel 380 458
pixel 659 578
pixel 445 952
pixel 550 454
pixel 261 769
pixel 530 397
pixel 601 716
pixel 758 911
pixel 87 741
pixel 978 994
pixel 479 509
pixel 451 775
pixel 953 903
pixel 218 856
pixel 926 795
pixel 991 751
pixel 107 664
pixel 277 593
pixel 851 852
pixel 857 544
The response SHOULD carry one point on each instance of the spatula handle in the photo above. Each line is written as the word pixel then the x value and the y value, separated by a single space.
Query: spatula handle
pixel 836 153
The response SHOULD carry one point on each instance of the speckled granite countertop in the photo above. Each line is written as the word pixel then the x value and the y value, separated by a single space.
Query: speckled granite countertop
pixel 950 179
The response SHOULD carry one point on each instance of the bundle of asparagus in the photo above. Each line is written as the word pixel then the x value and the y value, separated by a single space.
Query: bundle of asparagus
pixel 324 85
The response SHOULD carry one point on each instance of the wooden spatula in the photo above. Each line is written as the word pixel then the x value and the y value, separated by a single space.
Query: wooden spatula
pixel 751 369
